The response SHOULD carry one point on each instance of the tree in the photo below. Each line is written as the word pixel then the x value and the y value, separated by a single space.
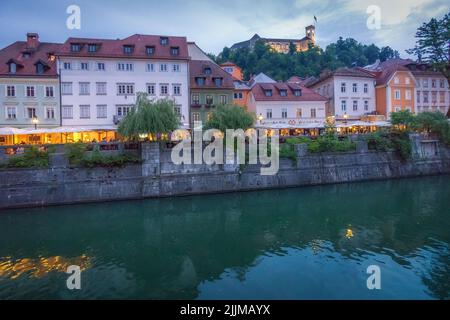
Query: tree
pixel 433 44
pixel 230 117
pixel 431 121
pixel 292 48
pixel 154 117
pixel 403 119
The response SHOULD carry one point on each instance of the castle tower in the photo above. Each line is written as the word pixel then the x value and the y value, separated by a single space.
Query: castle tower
pixel 311 33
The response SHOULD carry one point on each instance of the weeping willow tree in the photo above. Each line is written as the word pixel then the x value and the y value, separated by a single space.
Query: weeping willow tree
pixel 149 117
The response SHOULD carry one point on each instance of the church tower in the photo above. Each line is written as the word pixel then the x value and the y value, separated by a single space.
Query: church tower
pixel 311 33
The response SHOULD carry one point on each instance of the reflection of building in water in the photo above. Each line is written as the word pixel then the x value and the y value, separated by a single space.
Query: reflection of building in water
pixel 38 268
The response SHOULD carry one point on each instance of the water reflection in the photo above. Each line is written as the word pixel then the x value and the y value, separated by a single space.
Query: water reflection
pixel 295 244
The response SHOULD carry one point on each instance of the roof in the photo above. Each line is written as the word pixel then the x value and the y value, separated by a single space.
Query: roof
pixel 307 94
pixel 241 85
pixel 114 48
pixel 229 64
pixel 196 69
pixel 385 70
pixel 27 66
pixel 340 72
pixel 261 78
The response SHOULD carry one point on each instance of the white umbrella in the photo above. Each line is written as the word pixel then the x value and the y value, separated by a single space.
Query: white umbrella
pixel 8 131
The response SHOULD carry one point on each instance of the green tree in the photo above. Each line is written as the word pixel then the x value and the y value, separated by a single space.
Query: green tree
pixel 403 119
pixel 149 117
pixel 433 44
pixel 230 117
pixel 292 48
pixel 387 53
pixel 431 121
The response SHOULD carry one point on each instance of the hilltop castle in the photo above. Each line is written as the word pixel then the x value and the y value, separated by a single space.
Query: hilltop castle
pixel 282 45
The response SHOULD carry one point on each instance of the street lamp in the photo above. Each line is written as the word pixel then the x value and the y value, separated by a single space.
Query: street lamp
pixel 260 118
pixel 345 117
pixel 35 122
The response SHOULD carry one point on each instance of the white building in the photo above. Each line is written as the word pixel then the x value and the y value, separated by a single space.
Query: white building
pixel 350 92
pixel 100 78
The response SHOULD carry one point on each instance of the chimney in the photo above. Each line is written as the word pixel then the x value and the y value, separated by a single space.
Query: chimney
pixel 32 41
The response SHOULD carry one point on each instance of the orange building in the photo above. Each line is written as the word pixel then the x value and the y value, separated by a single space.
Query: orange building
pixel 241 93
pixel 395 87
pixel 233 69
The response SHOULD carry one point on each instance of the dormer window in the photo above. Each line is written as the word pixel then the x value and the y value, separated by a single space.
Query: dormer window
pixel 174 51
pixel 75 47
pixel 297 92
pixel 127 49
pixel 283 93
pixel 150 50
pixel 92 48
pixel 200 81
pixel 39 68
pixel 207 70
pixel 26 55
pixel 12 67
pixel 268 93
pixel 164 41
pixel 218 82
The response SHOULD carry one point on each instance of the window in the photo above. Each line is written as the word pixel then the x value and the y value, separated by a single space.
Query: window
pixel 150 50
pixel 343 87
pixel 284 113
pixel 433 83
pixel 84 66
pixel 177 110
pixel 397 95
pixel 100 66
pixel 67 112
pixel 299 113
pixel 176 67
pixel 12 67
pixel 124 89
pixel 31 113
pixel 240 95
pixel 228 69
pixel 101 88
pixel 151 89
pixel 200 81
pixel 425 96
pixel 92 47
pixel 195 98
pixel 30 91
pixel 66 88
pixel 268 93
pixel 209 100
pixel 102 111
pixel 418 96
pixel 85 112
pixel 396 80
pixel 297 92
pixel 195 116
pixel 269 113
pixel 177 89
pixel 366 105
pixel 408 94
pixel 313 113
pixel 397 109
pixel 150 67
pixel 123 110
pixel 67 66
pixel 207 71
pixel 425 83
pixel 223 99
pixel 164 89
pixel 124 66
pixel 11 113
pixel 128 49
pixel 84 88
pixel 434 97
pixel 163 67
pixel 441 83
pixel 442 97
pixel 75 47
pixel 49 92
pixel 283 93
pixel 344 105
pixel 218 82
pixel 407 81
pixel 50 113
pixel 355 87
pixel 174 51
pixel 366 88
pixel 164 41
pixel 355 105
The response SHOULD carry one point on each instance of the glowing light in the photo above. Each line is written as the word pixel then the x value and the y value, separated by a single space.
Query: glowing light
pixel 349 234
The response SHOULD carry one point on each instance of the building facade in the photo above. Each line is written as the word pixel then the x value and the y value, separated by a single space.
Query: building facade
pixel 350 93
pixel 29 84
pixel 100 78
pixel 286 104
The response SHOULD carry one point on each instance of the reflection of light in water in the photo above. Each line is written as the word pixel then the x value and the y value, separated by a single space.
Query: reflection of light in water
pixel 38 268
pixel 349 234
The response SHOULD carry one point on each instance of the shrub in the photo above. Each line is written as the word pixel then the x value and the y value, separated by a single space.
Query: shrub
pixel 97 159
pixel 32 158
pixel 75 152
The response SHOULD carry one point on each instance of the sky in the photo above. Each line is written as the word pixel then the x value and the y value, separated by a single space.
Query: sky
pixel 214 24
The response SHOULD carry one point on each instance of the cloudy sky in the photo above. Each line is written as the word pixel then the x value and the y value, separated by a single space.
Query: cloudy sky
pixel 214 24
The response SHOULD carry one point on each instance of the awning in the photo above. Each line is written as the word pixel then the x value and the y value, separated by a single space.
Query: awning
pixel 65 129
pixel 8 131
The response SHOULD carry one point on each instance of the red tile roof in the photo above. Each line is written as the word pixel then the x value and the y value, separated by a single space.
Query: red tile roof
pixel 196 69
pixel 26 67
pixel 109 48
pixel 307 94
